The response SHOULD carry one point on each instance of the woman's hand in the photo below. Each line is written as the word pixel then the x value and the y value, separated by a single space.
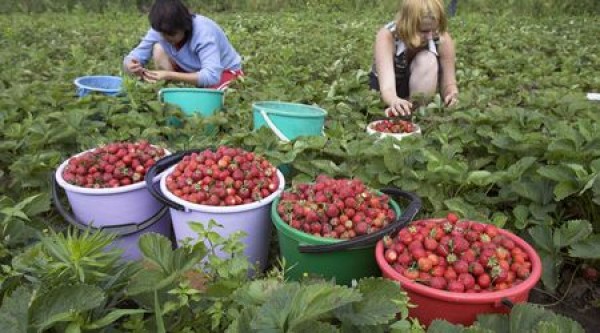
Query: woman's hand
pixel 155 76
pixel 135 67
pixel 451 95
pixel 399 107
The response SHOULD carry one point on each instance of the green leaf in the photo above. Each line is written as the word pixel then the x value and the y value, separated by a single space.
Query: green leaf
pixel 551 264
pixel 273 315
pixel 379 303
pixel 479 178
pixel 314 326
pixel 241 324
pixel 148 280
pixel 317 300
pixel 536 190
pixel 442 326
pixel 498 323
pixel 60 304
pixel 565 189
pixel 562 324
pixel 571 232
pixel 326 166
pixel 111 317
pixel 542 237
pixel 256 292
pixel 521 214
pixel 557 173
pixel 14 317
pixel 524 317
pixel 158 250
pixel 588 248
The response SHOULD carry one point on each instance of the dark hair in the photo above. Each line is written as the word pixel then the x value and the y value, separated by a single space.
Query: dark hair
pixel 170 16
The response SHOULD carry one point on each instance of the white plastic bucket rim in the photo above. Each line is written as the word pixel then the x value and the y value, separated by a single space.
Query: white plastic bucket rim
pixel 189 206
pixel 98 191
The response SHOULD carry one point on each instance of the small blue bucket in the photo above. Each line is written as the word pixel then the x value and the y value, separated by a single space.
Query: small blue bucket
pixel 289 120
pixel 105 84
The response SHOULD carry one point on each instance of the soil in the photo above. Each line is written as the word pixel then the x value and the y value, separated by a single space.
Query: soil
pixel 578 300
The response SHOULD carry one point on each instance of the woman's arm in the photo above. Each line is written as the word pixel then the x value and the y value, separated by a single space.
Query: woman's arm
pixel 448 88
pixel 384 65
pixel 154 76
pixel 143 51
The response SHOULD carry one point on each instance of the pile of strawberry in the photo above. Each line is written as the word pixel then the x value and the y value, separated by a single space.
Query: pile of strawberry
pixel 393 126
pixel 335 208
pixel 224 177
pixel 113 165
pixel 457 256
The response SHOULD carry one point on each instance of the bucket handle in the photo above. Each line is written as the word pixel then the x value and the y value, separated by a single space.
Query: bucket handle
pixel 274 128
pixel 160 96
pixel 121 229
pixel 160 166
pixel 409 214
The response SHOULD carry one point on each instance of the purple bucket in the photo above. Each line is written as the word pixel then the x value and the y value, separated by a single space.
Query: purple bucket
pixel 128 211
pixel 254 219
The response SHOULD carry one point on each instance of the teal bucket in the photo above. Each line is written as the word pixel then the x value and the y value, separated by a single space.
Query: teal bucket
pixel 193 100
pixel 289 120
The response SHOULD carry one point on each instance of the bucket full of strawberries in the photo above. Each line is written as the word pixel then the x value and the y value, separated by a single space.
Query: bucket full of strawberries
pixel 329 228
pixel 456 269
pixel 231 186
pixel 105 190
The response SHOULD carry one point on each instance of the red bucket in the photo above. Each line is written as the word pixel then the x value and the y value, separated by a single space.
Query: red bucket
pixel 462 308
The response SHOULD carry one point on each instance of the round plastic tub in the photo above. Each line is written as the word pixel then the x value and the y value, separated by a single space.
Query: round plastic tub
pixel 344 260
pixel 105 84
pixel 253 218
pixel 289 120
pixel 202 101
pixel 397 136
pixel 128 211
pixel 462 308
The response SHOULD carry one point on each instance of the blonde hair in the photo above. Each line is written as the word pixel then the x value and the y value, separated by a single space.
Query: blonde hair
pixel 410 16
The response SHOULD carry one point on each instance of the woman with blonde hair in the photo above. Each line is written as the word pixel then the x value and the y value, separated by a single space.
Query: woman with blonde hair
pixel 414 55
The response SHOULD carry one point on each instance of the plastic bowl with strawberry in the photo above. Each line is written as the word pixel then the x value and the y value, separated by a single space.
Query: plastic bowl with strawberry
pixel 110 168
pixel 105 185
pixel 395 128
pixel 456 269
pixel 329 228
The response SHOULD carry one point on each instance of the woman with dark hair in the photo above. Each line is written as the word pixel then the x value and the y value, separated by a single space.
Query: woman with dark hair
pixel 185 47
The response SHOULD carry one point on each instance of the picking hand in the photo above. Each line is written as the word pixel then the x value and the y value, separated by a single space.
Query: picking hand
pixel 451 96
pixel 135 67
pixel 400 107
pixel 155 76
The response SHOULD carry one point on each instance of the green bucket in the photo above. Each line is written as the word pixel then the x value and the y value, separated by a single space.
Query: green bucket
pixel 289 120
pixel 193 100
pixel 344 260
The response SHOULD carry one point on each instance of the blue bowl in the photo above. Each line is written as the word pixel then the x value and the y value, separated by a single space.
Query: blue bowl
pixel 108 85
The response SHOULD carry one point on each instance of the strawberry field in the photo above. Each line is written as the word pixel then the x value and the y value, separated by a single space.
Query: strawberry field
pixel 521 151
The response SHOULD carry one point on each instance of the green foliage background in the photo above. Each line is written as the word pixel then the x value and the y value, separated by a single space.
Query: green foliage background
pixel 528 7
